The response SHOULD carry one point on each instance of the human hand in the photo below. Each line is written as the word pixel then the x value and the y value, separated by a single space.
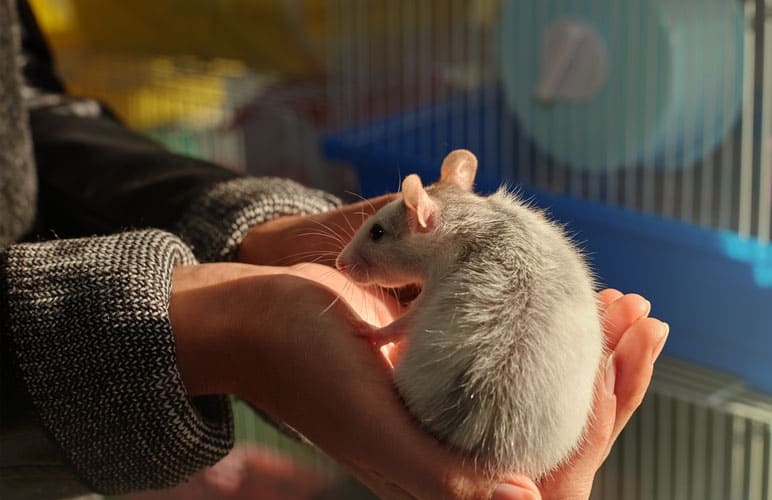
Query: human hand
pixel 285 340
pixel 301 362
pixel 213 306
pixel 302 238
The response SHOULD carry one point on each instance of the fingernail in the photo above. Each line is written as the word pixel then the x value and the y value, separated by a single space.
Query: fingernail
pixel 507 491
pixel 647 309
pixel 611 374
pixel 661 342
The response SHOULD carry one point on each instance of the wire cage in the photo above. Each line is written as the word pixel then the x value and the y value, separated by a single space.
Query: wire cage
pixel 697 435
pixel 672 127
pixel 646 126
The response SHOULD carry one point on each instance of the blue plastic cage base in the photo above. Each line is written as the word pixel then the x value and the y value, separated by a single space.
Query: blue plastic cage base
pixel 712 287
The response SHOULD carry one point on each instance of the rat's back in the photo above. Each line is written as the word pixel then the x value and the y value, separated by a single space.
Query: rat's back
pixel 506 344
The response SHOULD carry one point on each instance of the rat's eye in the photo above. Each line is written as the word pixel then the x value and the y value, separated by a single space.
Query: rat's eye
pixel 376 232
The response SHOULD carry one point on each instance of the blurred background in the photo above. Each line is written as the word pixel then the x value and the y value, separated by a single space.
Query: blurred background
pixel 645 126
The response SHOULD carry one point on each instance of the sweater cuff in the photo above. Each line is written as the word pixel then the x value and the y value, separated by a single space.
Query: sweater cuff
pixel 221 217
pixel 88 320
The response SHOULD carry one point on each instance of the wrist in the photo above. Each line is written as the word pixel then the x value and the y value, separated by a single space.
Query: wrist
pixel 206 326
pixel 225 317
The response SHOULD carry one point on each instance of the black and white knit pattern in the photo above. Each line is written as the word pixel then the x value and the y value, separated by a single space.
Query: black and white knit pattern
pixel 89 322
pixel 18 182
pixel 218 221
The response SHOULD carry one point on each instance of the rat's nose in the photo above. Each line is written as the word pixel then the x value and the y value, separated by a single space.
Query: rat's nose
pixel 340 265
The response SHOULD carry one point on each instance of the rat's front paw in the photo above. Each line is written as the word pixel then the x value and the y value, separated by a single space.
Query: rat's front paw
pixel 392 332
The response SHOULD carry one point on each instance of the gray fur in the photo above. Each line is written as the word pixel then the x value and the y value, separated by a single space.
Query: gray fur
pixel 504 342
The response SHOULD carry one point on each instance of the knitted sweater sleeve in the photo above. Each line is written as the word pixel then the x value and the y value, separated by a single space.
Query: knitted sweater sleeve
pixel 88 322
pixel 216 221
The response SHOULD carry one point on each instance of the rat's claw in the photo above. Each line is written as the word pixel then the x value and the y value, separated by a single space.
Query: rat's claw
pixel 366 330
pixel 390 333
pixel 380 337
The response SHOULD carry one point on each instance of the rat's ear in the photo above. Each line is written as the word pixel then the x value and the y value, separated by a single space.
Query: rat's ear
pixel 420 207
pixel 459 169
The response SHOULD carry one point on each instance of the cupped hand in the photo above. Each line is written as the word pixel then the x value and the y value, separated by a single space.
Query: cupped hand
pixel 302 238
pixel 214 307
pixel 286 341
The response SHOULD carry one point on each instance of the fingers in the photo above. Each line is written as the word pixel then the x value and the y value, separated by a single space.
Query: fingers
pixel 634 358
pixel 375 308
pixel 608 296
pixel 636 341
pixel 525 490
pixel 620 314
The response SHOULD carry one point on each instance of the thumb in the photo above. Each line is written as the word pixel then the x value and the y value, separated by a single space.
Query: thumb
pixel 509 491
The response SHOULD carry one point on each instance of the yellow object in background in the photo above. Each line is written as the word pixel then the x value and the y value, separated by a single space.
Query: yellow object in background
pixel 158 63
pixel 149 92
pixel 161 63
pixel 104 50
pixel 290 37
pixel 283 36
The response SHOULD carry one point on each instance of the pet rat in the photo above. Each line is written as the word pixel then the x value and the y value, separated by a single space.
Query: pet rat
pixel 499 351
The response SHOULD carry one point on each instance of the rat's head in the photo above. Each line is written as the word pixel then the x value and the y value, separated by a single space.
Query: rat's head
pixel 398 244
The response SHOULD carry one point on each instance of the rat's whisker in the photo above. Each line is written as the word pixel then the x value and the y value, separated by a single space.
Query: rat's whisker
pixel 314 233
pixel 351 235
pixel 327 274
pixel 327 257
pixel 332 232
pixel 335 301
pixel 314 252
pixel 356 292
pixel 320 234
pixel 344 232
pixel 350 289
pixel 382 302
pixel 320 237
pixel 363 199
pixel 372 305
pixel 355 195
pixel 309 254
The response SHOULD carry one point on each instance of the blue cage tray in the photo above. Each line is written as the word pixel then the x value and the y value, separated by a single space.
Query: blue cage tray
pixel 711 286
